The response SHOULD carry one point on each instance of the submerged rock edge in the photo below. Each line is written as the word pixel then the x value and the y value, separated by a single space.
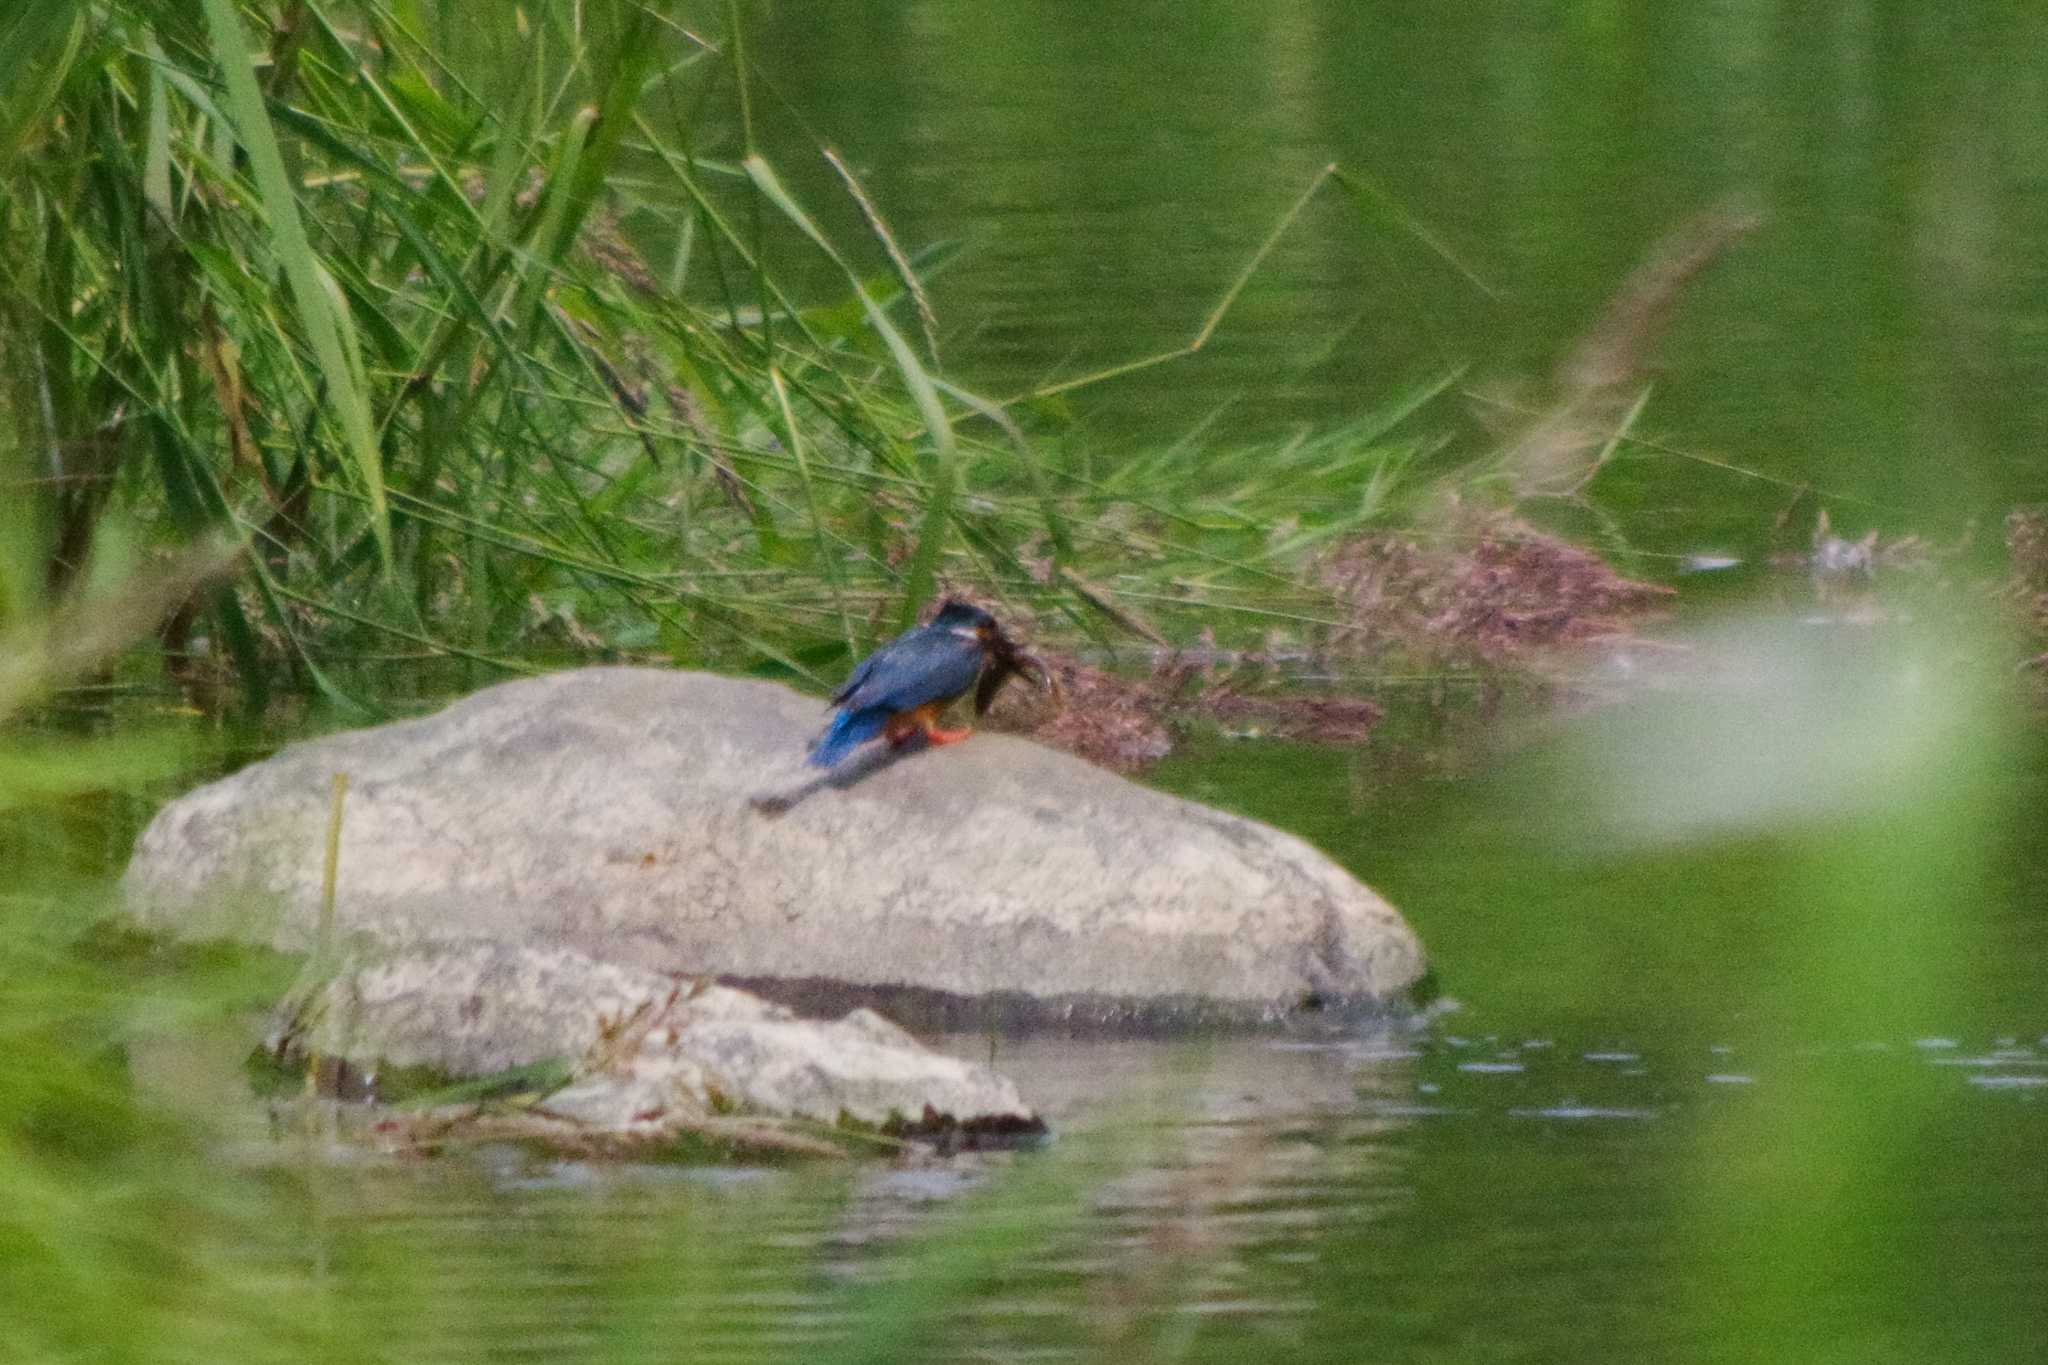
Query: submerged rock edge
pixel 653 1056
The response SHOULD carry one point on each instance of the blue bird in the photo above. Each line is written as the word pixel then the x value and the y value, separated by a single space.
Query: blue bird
pixel 900 689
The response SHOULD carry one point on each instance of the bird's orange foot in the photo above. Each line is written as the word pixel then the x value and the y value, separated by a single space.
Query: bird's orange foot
pixel 938 736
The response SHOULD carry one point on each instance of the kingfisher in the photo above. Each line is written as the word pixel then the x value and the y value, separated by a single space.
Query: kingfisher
pixel 901 689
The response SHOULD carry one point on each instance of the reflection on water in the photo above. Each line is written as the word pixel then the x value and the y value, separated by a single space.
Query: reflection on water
pixel 1738 959
pixel 1762 1076
pixel 1473 1196
pixel 1878 339
pixel 1755 1068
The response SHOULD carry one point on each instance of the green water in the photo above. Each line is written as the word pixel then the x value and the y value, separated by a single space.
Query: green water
pixel 1740 1056
pixel 1653 1128
pixel 1880 339
pixel 1777 1091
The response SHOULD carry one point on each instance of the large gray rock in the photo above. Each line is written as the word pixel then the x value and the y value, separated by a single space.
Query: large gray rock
pixel 649 1052
pixel 619 812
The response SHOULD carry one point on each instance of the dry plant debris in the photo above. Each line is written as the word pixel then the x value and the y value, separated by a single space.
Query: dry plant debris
pixel 1490 591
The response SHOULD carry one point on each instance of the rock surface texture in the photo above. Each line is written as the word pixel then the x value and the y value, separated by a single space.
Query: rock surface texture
pixel 665 822
pixel 649 1053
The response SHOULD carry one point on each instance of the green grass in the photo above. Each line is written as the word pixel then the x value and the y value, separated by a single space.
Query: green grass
pixel 483 339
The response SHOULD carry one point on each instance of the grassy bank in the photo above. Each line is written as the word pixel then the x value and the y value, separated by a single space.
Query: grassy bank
pixel 491 340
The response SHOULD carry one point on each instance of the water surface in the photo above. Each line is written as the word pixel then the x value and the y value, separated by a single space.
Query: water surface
pixel 1881 339
pixel 1634 1127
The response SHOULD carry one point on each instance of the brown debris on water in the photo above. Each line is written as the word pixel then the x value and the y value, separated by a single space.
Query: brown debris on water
pixel 1486 596
pixel 1128 722
pixel 1490 592
pixel 1116 721
pixel 2026 540
pixel 1290 715
pixel 1489 597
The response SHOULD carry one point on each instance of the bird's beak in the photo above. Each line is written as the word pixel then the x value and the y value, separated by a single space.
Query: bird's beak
pixel 1041 674
pixel 1004 659
pixel 1047 680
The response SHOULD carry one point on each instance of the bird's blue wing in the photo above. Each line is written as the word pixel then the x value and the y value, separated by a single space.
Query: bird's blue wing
pixel 915 668
pixel 863 670
pixel 857 677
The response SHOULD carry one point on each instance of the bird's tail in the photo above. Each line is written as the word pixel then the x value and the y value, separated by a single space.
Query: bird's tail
pixel 848 731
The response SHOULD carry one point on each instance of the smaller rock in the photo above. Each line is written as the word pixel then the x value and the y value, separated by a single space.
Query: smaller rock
pixel 652 1054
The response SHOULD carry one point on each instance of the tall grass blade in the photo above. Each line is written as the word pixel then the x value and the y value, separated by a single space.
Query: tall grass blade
pixel 828 562
pixel 898 258
pixel 322 310
pixel 41 40
pixel 1375 202
pixel 939 495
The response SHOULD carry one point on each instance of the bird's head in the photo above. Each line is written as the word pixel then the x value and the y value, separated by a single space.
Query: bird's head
pixel 964 618
pixel 1005 657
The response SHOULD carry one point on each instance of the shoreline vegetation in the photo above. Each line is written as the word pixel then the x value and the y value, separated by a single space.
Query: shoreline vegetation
pixel 343 366
pixel 490 361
